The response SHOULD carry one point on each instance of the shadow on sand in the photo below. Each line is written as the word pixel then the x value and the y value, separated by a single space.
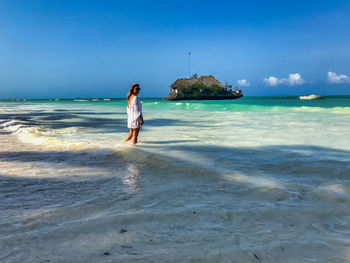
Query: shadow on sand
pixel 52 207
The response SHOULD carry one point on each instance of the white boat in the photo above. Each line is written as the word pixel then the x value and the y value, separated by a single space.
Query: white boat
pixel 310 97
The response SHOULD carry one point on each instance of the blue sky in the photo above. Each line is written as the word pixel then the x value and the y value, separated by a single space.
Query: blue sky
pixel 70 49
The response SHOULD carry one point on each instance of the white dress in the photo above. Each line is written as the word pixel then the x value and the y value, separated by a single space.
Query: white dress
pixel 134 111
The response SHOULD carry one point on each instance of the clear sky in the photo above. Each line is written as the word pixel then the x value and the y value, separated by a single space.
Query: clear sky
pixel 67 49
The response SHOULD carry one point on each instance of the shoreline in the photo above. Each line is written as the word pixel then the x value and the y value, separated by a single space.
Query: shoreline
pixel 161 98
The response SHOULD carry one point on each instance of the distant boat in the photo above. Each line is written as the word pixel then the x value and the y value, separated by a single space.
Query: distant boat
pixel 310 97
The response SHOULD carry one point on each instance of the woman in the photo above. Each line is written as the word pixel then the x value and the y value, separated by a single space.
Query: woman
pixel 134 110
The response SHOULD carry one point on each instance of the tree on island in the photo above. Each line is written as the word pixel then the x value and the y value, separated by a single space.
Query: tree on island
pixel 199 89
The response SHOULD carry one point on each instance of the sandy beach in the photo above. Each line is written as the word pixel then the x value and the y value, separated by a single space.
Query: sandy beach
pixel 72 192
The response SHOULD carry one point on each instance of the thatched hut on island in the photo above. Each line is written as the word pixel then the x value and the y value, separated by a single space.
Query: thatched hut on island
pixel 202 88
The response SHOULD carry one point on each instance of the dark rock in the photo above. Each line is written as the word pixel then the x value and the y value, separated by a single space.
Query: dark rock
pixel 256 257
pixel 123 230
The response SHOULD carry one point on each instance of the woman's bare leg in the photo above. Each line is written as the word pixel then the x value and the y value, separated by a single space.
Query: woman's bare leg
pixel 129 135
pixel 135 135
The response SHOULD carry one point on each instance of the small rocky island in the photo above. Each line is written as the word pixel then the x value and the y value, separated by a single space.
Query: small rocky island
pixel 202 88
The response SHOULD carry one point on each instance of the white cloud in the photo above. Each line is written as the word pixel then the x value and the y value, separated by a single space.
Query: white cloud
pixel 292 80
pixel 273 81
pixel 295 79
pixel 338 78
pixel 243 82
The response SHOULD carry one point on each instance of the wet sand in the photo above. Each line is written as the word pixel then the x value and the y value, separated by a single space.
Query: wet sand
pixel 275 192
pixel 106 210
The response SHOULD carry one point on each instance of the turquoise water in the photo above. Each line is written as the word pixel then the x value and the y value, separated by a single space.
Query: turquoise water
pixel 288 101
pixel 209 181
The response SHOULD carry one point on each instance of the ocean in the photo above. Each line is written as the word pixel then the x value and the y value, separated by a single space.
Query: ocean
pixel 258 179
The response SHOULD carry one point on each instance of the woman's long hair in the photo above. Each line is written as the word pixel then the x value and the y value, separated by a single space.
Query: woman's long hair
pixel 131 89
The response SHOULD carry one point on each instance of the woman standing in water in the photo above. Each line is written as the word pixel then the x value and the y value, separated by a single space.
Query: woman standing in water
pixel 134 110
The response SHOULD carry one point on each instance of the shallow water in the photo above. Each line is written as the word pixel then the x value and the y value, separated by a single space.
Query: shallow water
pixel 249 180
